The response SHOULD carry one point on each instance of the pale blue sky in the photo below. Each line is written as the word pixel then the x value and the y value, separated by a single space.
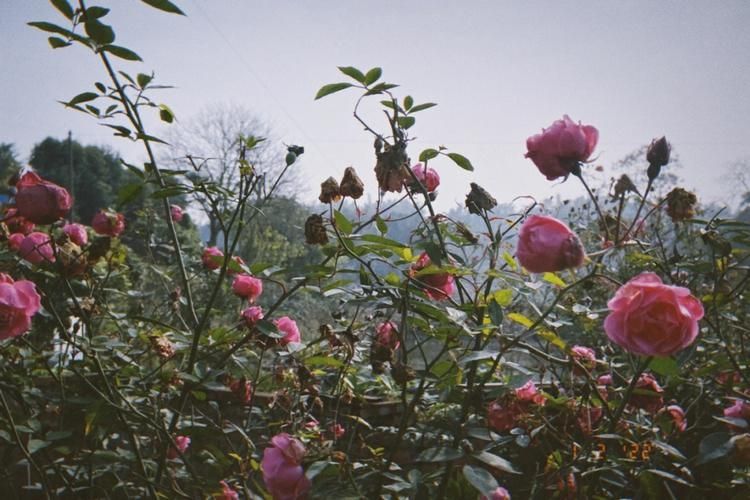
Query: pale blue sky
pixel 500 71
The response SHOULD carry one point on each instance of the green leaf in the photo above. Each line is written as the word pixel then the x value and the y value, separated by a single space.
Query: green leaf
pixel 461 161
pixel 372 76
pixel 496 462
pixel 143 80
pixel 99 32
pixel 331 88
pixel 122 53
pixel 713 447
pixel 665 366
pixel 554 279
pixel 480 479
pixel 165 113
pixel 381 225
pixel 164 5
pixel 82 97
pixel 422 107
pixel 503 297
pixel 496 312
pixel 121 131
pixel 57 43
pixel 36 445
pixel 317 361
pixel 439 454
pixel 168 191
pixel 342 223
pixel 52 28
pixel 408 102
pixel 96 12
pixel 128 193
pixel 428 154
pixel 406 122
pixel 520 319
pixel 353 72
pixel 64 7
pixel 380 88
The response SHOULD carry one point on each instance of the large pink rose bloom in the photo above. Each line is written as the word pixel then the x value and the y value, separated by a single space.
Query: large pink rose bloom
pixel 651 318
pixel 283 474
pixel 36 248
pixel 247 286
pixel 19 301
pixel 558 149
pixel 546 244
pixel 41 201
pixel 288 327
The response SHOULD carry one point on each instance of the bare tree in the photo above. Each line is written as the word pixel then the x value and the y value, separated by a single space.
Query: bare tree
pixel 211 143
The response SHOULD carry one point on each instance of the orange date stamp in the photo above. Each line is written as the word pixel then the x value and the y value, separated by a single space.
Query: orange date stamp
pixel 602 450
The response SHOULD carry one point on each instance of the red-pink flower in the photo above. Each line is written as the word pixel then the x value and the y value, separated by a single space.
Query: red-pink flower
pixel 283 474
pixel 19 301
pixel 212 258
pixel 108 223
pixel 529 393
pixel 247 286
pixel 77 233
pixel 437 285
pixel 36 248
pixel 338 431
pixel 41 201
pixel 587 418
pixel 559 148
pixel 182 443
pixel 740 410
pixel 15 240
pixel 546 244
pixel 427 176
pixel 175 211
pixel 585 356
pixel 647 394
pixel 503 415
pixel 498 493
pixel 252 315
pixel 227 492
pixel 16 223
pixel 386 335
pixel 243 389
pixel 677 415
pixel 288 327
pixel 652 319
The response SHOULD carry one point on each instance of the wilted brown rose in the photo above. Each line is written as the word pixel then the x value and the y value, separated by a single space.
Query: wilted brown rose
pixel 163 347
pixel 392 168
pixel 479 199
pixel 315 231
pixel 681 204
pixel 329 191
pixel 351 185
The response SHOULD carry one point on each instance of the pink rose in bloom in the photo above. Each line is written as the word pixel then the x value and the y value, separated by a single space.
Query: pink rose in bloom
pixel 212 257
pixel 605 379
pixel 14 241
pixel 36 248
pixel 243 389
pixel 546 244
pixel 498 493
pixel 386 336
pixel 427 176
pixel 529 393
pixel 182 443
pixel 19 301
pixel 677 415
pixel 647 394
pixel 252 315
pixel 559 148
pixel 502 415
pixel 288 327
pixel 16 223
pixel 227 493
pixel 585 356
pixel 77 233
pixel 741 410
pixel 438 286
pixel 175 211
pixel 247 286
pixel 41 201
pixel 652 319
pixel 283 474
pixel 338 431
pixel 108 223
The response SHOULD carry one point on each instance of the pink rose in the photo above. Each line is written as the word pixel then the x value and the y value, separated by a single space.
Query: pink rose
pixel 252 315
pixel 498 493
pixel 546 244
pixel 283 474
pixel 36 248
pixel 502 416
pixel 288 327
pixel 15 240
pixel 41 201
pixel 338 431
pixel 19 301
pixel 559 148
pixel 740 410
pixel 386 336
pixel 77 233
pixel 212 258
pixel 427 176
pixel 247 286
pixel 182 443
pixel 529 393
pixel 175 211
pixel 585 356
pixel 587 418
pixel 16 223
pixel 227 492
pixel 108 223
pixel 243 389
pixel 652 319
pixel 647 394
pixel 677 415
pixel 437 286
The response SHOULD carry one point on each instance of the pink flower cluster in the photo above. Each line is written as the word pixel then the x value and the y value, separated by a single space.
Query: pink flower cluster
pixel 509 412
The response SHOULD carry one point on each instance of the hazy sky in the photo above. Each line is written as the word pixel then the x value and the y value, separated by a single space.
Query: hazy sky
pixel 500 71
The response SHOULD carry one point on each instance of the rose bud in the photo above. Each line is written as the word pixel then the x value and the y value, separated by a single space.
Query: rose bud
pixel 647 394
pixel 351 185
pixel 252 315
pixel 247 286
pixel 15 240
pixel 559 149
pixel 37 248
pixel 657 156
pixel 437 286
pixel 77 233
pixel 16 223
pixel 182 443
pixel 329 191
pixel 212 258
pixel 546 244
pixel 427 176
pixel 175 212
pixel 288 327
pixel 108 223
pixel 41 201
